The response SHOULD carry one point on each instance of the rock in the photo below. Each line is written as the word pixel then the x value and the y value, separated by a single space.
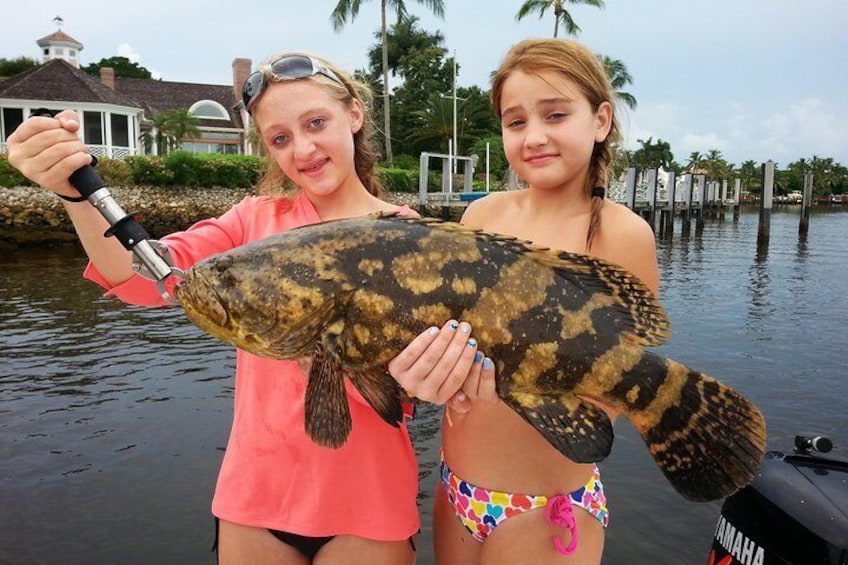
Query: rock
pixel 31 216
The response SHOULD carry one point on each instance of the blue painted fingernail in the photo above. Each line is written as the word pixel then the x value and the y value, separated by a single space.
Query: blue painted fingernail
pixel 487 363
pixel 453 324
pixel 471 342
pixel 478 357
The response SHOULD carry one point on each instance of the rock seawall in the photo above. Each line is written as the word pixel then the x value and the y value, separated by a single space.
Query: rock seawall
pixel 34 216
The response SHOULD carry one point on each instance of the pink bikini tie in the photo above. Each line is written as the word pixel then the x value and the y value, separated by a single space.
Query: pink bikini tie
pixel 559 513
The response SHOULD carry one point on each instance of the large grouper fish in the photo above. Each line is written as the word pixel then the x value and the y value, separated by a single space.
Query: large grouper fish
pixel 561 327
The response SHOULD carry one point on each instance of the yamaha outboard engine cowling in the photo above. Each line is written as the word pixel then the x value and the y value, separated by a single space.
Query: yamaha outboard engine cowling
pixel 795 512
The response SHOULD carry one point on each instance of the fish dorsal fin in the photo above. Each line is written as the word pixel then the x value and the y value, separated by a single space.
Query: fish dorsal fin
pixel 648 321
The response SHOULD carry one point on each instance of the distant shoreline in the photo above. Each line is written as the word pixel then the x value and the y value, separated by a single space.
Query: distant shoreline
pixel 34 216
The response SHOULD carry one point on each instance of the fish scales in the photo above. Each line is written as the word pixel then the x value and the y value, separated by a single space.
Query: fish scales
pixel 563 328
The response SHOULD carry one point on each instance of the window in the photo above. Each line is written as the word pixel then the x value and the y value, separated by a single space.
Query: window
pixel 46 51
pixel 209 109
pixel 220 135
pixel 92 123
pixel 72 52
pixel 12 118
pixel 120 131
pixel 220 148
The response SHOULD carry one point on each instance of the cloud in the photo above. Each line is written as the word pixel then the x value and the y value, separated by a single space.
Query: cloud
pixel 809 127
pixel 127 50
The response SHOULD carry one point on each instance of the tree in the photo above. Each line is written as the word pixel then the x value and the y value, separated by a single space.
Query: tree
pixel 652 155
pixel 12 67
pixel 403 38
pixel 715 165
pixel 619 77
pixel 749 174
pixel 561 15
pixel 347 10
pixel 426 74
pixel 829 177
pixel 166 129
pixel 123 68
pixel 695 161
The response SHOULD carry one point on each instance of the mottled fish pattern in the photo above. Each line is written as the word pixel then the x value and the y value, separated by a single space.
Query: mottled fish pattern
pixel 561 327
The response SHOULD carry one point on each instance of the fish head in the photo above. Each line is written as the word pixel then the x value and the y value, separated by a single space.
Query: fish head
pixel 273 302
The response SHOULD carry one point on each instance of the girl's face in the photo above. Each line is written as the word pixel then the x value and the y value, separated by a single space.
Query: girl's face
pixel 310 135
pixel 550 129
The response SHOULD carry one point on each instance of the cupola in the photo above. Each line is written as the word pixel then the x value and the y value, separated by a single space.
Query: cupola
pixel 60 45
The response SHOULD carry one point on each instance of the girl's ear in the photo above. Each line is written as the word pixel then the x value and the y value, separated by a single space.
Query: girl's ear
pixel 357 116
pixel 603 121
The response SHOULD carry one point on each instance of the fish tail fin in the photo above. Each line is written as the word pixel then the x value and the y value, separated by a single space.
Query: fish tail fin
pixel 706 438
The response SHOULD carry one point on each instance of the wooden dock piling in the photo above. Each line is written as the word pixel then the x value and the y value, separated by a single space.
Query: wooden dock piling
pixel 804 225
pixel 764 229
pixel 686 216
pixel 737 198
pixel 667 214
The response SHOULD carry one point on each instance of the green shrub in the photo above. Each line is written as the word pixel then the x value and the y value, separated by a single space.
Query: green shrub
pixel 229 171
pixel 114 172
pixel 404 161
pixel 149 170
pixel 184 168
pixel 10 176
pixel 497 159
pixel 398 180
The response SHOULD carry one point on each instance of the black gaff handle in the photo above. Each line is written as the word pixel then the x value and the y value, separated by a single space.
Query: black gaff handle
pixel 125 227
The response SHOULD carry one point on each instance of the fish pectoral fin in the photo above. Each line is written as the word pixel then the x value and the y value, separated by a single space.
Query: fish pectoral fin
pixel 579 430
pixel 300 340
pixel 328 421
pixel 382 392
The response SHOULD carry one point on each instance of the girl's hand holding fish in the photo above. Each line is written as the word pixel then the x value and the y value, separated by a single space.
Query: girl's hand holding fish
pixel 437 363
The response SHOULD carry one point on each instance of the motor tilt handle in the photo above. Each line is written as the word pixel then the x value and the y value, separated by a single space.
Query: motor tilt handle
pixel 125 227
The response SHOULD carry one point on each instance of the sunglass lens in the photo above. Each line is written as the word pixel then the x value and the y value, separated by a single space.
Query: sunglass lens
pixel 251 86
pixel 293 67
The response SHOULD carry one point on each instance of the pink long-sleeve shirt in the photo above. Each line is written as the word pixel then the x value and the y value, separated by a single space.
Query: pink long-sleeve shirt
pixel 273 475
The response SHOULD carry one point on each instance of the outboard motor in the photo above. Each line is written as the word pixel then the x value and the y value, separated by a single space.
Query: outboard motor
pixel 794 512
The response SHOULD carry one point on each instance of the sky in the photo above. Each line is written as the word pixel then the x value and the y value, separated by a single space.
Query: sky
pixel 755 79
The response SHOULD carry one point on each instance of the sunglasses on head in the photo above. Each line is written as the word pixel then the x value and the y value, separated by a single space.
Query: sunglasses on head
pixel 290 67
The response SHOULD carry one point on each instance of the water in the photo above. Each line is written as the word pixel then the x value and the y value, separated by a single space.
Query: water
pixel 113 419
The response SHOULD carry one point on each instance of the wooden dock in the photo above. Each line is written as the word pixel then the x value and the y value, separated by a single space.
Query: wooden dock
pixel 692 197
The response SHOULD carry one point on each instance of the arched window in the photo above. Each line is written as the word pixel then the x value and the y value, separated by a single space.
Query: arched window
pixel 209 109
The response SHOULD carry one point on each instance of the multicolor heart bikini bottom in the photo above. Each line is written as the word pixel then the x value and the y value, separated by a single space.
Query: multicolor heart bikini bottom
pixel 481 510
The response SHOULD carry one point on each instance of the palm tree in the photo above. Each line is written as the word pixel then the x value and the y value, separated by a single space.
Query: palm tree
pixel 653 154
pixel 619 77
pixel 183 124
pixel 166 129
pixel 695 161
pixel 402 38
pixel 561 15
pixel 348 10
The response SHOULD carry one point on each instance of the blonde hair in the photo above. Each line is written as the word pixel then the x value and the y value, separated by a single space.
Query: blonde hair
pixel 365 154
pixel 583 68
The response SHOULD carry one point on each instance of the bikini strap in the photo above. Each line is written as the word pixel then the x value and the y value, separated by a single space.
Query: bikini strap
pixel 559 513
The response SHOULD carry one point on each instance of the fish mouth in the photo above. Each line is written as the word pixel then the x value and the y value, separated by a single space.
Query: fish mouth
pixel 200 300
